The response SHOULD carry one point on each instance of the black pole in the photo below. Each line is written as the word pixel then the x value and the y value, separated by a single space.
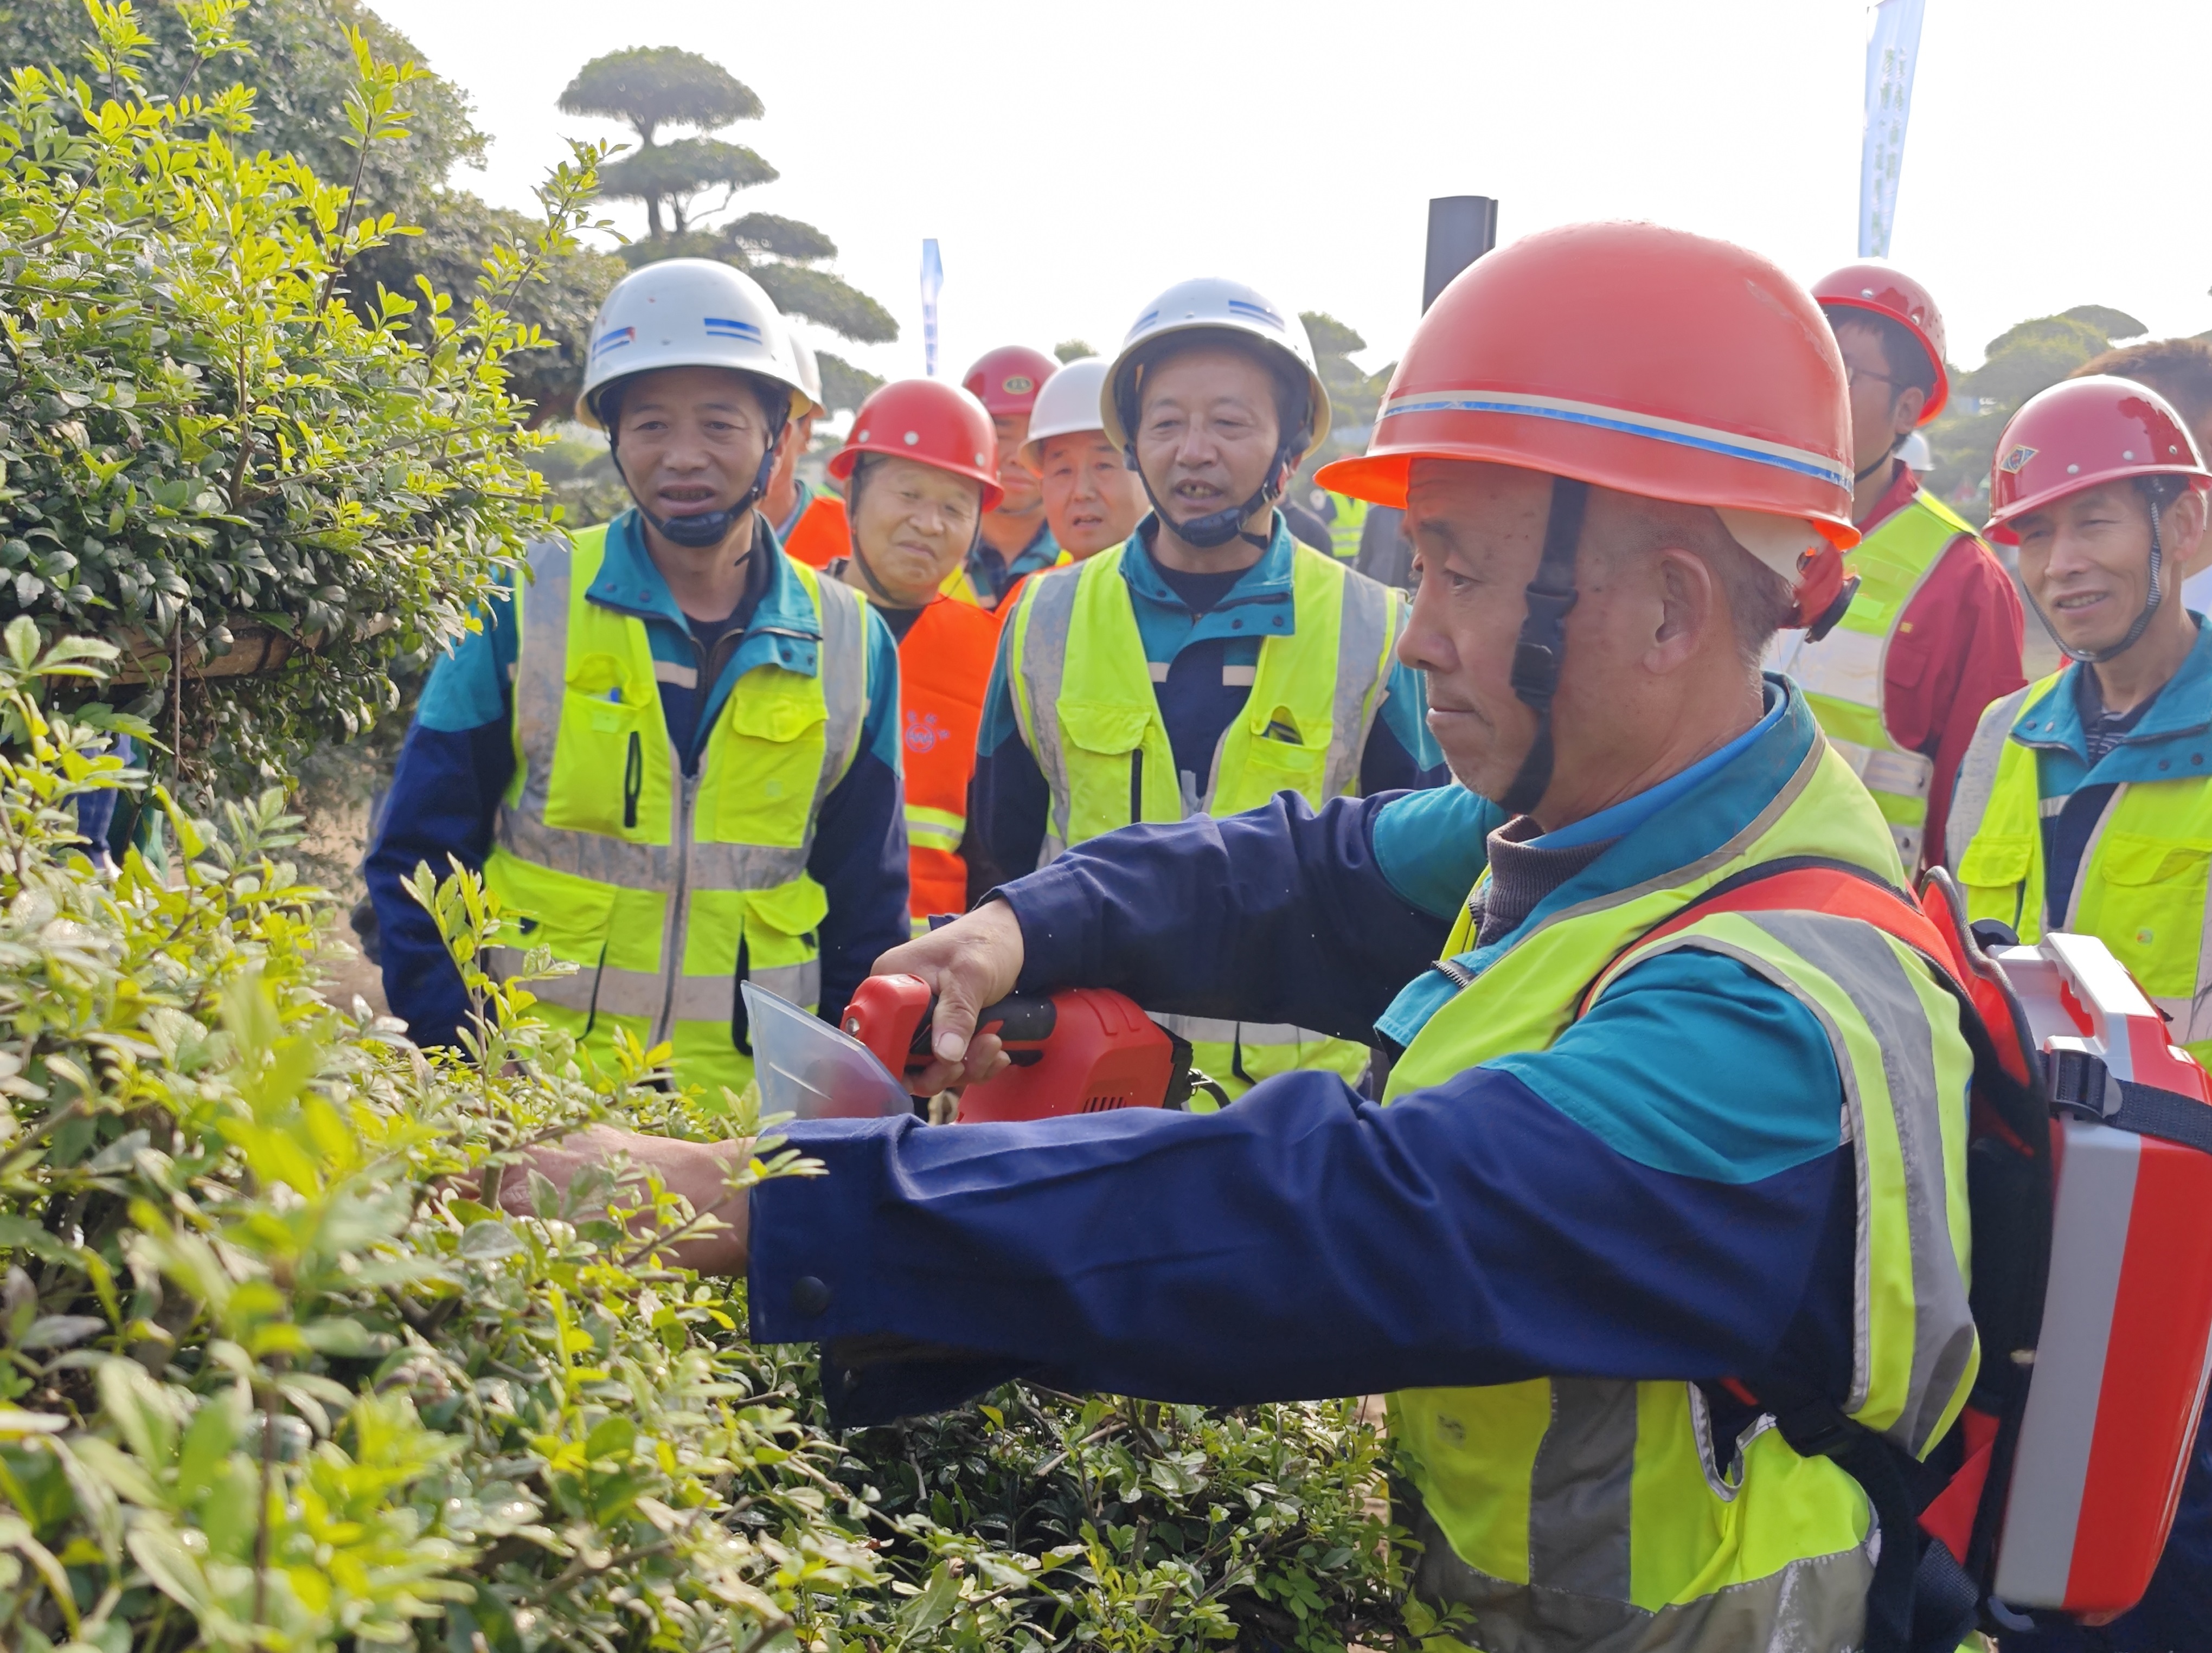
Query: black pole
pixel 1461 228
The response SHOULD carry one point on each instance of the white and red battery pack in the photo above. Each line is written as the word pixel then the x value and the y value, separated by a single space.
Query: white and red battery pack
pixel 2120 1370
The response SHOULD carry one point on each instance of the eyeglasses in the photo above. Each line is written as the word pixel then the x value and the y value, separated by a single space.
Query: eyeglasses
pixel 1852 376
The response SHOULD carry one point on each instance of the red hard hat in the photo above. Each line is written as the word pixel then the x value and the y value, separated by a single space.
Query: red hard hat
pixel 2079 433
pixel 1637 358
pixel 1890 292
pixel 926 419
pixel 1006 380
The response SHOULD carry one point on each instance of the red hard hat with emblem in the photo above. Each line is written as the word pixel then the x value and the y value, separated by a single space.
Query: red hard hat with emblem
pixel 1642 359
pixel 2079 433
pixel 1006 380
pixel 929 421
pixel 1882 291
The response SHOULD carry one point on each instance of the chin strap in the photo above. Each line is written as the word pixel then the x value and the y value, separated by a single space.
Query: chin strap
pixel 2092 656
pixel 710 527
pixel 1218 528
pixel 1542 644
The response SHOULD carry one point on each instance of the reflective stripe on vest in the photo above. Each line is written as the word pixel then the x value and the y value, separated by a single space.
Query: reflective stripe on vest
pixel 665 890
pixel 1078 659
pixel 1575 1512
pixel 945 666
pixel 1845 674
pixel 2144 888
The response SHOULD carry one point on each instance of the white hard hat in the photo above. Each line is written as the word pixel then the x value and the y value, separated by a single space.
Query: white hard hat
pixel 810 374
pixel 1068 403
pixel 1915 452
pixel 1209 304
pixel 688 313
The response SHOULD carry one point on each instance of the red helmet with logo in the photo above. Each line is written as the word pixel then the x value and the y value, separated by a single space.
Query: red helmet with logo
pixel 2081 432
pixel 1645 360
pixel 929 421
pixel 1006 380
pixel 1890 292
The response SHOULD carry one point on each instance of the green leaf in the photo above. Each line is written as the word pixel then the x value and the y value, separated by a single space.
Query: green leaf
pixel 610 1438
pixel 154 1547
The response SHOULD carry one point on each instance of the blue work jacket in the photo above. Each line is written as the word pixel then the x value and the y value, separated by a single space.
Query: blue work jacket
pixel 459 756
pixel 1662 1193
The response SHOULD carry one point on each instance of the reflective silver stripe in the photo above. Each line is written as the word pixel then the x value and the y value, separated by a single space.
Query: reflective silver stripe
pixel 1845 665
pixel 540 682
pixel 1049 611
pixel 1366 638
pixel 640 993
pixel 649 866
pixel 1978 775
pixel 1907 774
pixel 1232 676
pixel 842 663
pixel 1816 1604
pixel 1210 1030
pixel 1578 1501
pixel 1861 960
pixel 668 671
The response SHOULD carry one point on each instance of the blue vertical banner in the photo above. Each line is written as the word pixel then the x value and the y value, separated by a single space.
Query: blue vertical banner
pixel 933 281
pixel 1892 46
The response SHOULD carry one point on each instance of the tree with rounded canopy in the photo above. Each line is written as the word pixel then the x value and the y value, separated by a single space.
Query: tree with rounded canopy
pixel 653 89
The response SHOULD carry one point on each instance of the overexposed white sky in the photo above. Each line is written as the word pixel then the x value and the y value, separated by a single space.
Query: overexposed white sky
pixel 1073 159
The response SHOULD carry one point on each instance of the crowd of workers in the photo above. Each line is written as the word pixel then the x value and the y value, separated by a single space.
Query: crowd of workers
pixel 1055 661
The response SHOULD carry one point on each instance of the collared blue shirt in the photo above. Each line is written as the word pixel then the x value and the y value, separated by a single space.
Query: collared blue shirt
pixel 2172 740
pixel 459 757
pixel 1432 989
pixel 1663 1192
pixel 1201 666
pixel 994 575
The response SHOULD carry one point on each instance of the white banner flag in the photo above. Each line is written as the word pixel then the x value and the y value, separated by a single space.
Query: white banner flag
pixel 1892 45
pixel 932 280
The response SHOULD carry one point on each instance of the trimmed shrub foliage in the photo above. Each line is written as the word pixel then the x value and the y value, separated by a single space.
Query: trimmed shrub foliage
pixel 197 433
pixel 272 1376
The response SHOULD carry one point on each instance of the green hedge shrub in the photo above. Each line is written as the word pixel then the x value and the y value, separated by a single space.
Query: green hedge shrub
pixel 197 435
pixel 270 1377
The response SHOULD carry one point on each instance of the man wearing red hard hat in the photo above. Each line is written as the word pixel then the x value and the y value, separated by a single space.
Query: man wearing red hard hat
pixel 1644 1153
pixel 1015 539
pixel 921 472
pixel 2084 802
pixel 1933 633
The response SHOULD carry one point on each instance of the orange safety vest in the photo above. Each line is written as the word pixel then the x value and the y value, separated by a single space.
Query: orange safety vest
pixel 821 532
pixel 945 665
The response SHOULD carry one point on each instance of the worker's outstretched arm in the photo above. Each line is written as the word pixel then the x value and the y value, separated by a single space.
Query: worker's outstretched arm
pixel 457 760
pixel 1662 1193
pixel 1281 914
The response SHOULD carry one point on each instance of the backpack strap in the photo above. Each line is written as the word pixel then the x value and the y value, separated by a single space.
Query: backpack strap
pixel 1927 1595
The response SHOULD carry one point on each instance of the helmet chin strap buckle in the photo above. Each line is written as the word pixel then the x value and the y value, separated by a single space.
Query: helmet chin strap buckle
pixel 708 528
pixel 2095 656
pixel 1540 649
pixel 1218 528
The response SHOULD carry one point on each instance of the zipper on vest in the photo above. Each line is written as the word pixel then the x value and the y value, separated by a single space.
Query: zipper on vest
pixel 633 779
pixel 673 934
pixel 1136 785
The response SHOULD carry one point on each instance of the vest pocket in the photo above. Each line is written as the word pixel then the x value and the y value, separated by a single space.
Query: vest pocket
pixel 1107 728
pixel 2148 907
pixel 1277 766
pixel 766 756
pixel 600 762
pixel 1995 860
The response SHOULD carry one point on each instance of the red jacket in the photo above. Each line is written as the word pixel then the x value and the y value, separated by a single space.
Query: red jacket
pixel 1956 648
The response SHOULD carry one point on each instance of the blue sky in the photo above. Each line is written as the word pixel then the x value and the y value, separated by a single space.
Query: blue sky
pixel 1072 159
